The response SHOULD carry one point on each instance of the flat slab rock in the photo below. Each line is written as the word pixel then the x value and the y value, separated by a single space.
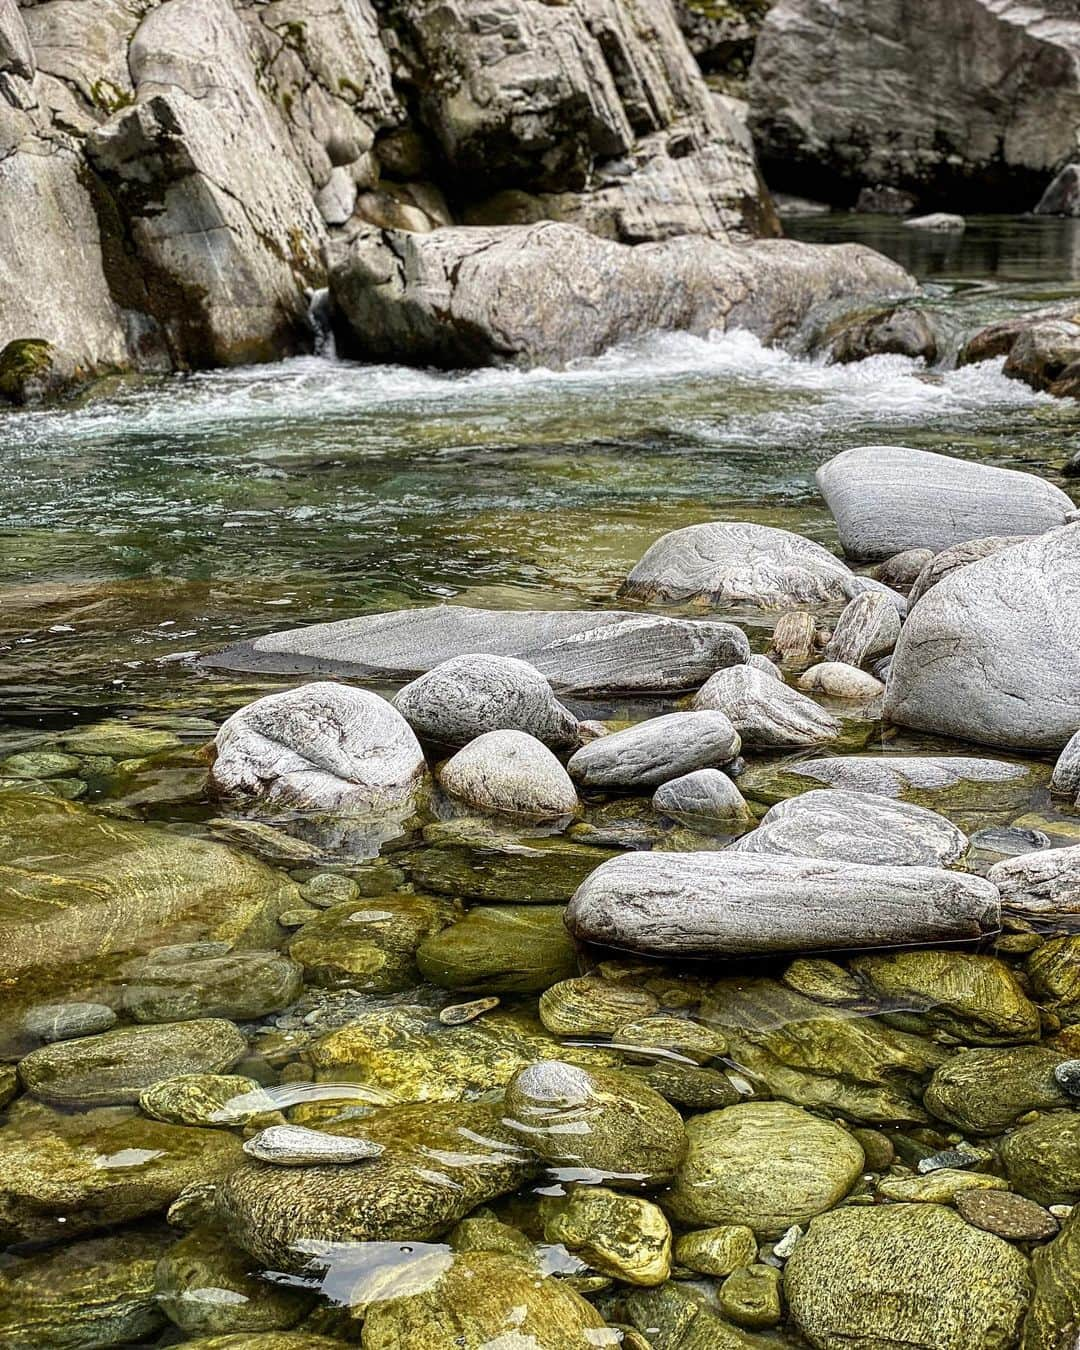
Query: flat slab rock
pixel 602 651
pixel 992 653
pixel 888 498
pixel 740 904
pixel 856 827
pixel 740 563
pixel 895 775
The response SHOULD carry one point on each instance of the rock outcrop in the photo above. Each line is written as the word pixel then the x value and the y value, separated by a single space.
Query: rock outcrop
pixel 183 163
pixel 853 93
pixel 547 293
pixel 991 654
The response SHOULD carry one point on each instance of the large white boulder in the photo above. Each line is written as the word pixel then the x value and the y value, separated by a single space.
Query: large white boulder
pixel 742 904
pixel 888 498
pixel 992 653
pixel 322 747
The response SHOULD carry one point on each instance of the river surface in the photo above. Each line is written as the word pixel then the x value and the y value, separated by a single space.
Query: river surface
pixel 156 519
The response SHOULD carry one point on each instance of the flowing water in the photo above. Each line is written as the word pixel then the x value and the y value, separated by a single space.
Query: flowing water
pixel 157 519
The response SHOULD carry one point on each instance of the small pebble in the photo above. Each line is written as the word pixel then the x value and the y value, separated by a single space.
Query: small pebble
pixel 297 1146
pixel 1068 1076
pixel 1007 1214
pixel 878 1148
pixel 1060 1211
pixel 458 1013
pixel 785 1244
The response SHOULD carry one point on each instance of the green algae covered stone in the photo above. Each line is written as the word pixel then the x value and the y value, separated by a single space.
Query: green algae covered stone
pixel 985 1091
pixel 593 1006
pixel 208 1287
pixel 1054 1320
pixel 493 867
pixel 750 1297
pixel 97 1292
pixel 501 949
pixel 369 945
pixel 602 1123
pixel 118 1066
pixel 764 1164
pixel 62 1174
pixel 675 1317
pixel 1054 970
pixel 81 893
pixel 969 995
pixel 905 1275
pixel 717 1251
pixel 441 1161
pixel 1043 1159
pixel 204 1099
pixel 625 1236
pixel 170 986
pixel 483 1300
pixel 265 1340
pixel 410 1054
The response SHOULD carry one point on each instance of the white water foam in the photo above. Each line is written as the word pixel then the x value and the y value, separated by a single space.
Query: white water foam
pixel 304 389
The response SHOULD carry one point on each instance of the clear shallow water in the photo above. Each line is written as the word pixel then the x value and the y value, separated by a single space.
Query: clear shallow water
pixel 159 519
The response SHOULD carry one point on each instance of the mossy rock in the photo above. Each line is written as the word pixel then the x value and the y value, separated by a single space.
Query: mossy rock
pixel 82 893
pixel 605 1124
pixel 905 1275
pixel 974 997
pixel 42 764
pixel 677 1317
pixel 118 740
pixel 986 1091
pixel 171 986
pixel 284 1216
pixel 208 1287
pixel 407 1052
pixel 821 1057
pixel 369 945
pixel 97 1292
pixel 1043 1159
pixel 764 1164
pixel 1054 1318
pixel 750 1297
pixel 118 1066
pixel 63 1174
pixel 1054 971
pixel 592 1006
pixel 32 369
pixel 483 1299
pixel 204 1099
pixel 624 1236
pixel 500 949
pixel 525 871
pixel 484 1231
pixel 939 1187
pixel 9 1084
pixel 265 1340
pixel 718 1250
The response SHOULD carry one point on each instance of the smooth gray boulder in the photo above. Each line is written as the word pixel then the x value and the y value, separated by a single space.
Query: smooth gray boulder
pixel 1046 882
pixel 766 712
pixel 512 773
pixel 744 904
pixel 856 827
pixel 888 498
pixel 992 654
pixel 1066 778
pixel 549 293
pixel 938 222
pixel 578 651
pixel 973 101
pixel 323 746
pixel 943 564
pixel 705 794
pixel 869 626
pixel 654 751
pixel 740 563
pixel 467 696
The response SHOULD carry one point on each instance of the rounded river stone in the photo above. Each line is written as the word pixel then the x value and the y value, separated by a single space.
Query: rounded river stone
pixel 118 1066
pixel 512 773
pixel 766 713
pixel 654 751
pixel 764 1164
pixel 905 1275
pixel 601 1124
pixel 624 1236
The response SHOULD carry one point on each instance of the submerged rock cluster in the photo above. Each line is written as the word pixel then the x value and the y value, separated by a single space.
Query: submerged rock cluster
pixel 693 1026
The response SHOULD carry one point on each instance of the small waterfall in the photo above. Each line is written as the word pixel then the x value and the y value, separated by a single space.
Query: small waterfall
pixel 321 327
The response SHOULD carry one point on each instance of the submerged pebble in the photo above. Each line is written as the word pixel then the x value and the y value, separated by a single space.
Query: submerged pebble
pixel 297 1146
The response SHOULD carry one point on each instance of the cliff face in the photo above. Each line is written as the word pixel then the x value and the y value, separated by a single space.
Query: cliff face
pixel 973 104
pixel 171 173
